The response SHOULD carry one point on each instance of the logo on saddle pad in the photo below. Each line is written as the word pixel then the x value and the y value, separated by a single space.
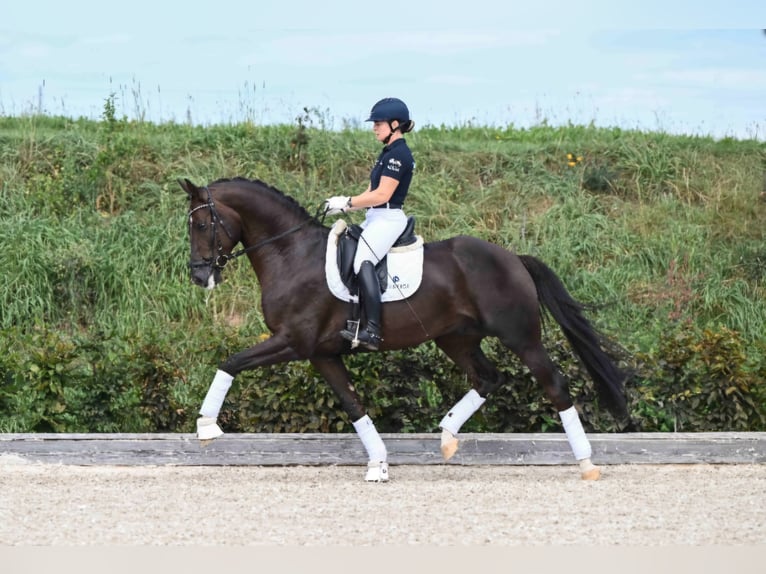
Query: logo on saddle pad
pixel 400 272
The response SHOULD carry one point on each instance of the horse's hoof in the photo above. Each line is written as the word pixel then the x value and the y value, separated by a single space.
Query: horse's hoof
pixel 589 471
pixel 592 474
pixel 377 472
pixel 449 444
pixel 207 430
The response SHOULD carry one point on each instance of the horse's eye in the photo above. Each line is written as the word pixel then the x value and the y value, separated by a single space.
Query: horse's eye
pixel 202 226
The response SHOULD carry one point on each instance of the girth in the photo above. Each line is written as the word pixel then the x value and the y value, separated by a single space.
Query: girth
pixel 347 245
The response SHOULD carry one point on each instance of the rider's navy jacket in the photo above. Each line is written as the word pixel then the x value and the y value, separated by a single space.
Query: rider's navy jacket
pixel 395 161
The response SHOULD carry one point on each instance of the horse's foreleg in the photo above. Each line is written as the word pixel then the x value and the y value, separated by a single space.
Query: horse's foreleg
pixel 207 423
pixel 273 350
pixel 377 465
pixel 335 373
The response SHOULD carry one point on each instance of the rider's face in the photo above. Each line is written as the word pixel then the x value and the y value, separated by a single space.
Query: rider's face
pixel 382 129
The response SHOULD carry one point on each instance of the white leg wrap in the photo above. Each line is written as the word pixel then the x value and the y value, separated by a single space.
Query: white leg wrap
pixel 462 411
pixel 211 406
pixel 373 444
pixel 575 433
pixel 377 472
pixel 208 429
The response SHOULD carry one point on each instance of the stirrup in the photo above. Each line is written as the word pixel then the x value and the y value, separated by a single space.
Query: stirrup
pixel 350 333
pixel 366 339
pixel 377 472
pixel 370 341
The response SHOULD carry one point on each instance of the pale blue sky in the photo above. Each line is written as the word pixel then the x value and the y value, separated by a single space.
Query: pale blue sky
pixel 680 66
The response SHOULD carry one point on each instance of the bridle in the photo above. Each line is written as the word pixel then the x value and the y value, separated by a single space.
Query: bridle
pixel 221 259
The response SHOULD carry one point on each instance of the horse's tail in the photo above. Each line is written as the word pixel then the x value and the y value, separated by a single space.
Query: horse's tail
pixel 586 341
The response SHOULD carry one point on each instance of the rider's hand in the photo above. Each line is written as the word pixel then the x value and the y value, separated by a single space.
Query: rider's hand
pixel 337 205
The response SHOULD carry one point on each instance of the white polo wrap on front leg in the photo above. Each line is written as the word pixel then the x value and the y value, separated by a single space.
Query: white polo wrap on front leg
pixel 216 394
pixel 371 440
pixel 462 411
pixel 575 433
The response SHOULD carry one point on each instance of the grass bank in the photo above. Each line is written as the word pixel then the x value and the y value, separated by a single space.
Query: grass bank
pixel 102 329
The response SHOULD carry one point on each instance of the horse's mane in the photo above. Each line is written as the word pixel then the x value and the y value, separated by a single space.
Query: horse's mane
pixel 261 185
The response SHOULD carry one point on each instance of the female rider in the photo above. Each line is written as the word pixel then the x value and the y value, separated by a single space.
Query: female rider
pixel 385 219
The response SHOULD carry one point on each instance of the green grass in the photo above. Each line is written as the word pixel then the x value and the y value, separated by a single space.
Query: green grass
pixel 95 220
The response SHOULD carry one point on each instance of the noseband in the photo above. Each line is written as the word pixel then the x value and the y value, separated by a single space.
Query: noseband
pixel 221 259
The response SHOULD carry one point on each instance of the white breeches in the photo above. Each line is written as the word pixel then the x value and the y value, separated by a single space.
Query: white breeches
pixel 382 227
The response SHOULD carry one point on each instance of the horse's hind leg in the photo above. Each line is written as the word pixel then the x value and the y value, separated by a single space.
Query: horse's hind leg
pixel 486 378
pixel 466 352
pixel 556 389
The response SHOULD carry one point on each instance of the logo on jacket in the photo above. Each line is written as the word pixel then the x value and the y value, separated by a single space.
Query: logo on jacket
pixel 394 164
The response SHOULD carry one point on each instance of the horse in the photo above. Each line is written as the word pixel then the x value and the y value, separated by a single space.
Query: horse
pixel 471 289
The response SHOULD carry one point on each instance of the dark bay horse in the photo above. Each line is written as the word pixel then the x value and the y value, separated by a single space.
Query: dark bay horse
pixel 471 289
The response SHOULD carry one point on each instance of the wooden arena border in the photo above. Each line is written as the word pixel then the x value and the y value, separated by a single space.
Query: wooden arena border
pixel 345 449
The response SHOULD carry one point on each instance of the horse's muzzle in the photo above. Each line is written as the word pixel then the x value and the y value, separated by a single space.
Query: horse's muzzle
pixel 205 274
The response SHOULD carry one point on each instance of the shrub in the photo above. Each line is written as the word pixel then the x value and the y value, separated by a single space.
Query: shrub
pixel 703 380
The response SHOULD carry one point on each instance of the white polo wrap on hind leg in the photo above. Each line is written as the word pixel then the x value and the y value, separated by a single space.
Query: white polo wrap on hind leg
pixel 462 411
pixel 216 394
pixel 575 433
pixel 371 440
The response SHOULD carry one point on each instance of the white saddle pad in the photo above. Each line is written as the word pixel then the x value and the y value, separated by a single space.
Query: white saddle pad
pixel 405 268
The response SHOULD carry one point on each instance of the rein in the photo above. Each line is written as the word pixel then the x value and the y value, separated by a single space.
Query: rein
pixel 222 259
pixel 230 256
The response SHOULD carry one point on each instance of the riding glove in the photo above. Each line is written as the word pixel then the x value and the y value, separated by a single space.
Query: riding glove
pixel 337 205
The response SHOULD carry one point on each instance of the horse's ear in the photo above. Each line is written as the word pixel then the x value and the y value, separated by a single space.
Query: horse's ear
pixel 187 186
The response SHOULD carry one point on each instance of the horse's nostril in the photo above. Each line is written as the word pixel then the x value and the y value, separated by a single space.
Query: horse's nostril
pixel 200 279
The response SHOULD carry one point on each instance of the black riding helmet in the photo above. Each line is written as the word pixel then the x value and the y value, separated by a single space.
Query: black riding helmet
pixel 390 109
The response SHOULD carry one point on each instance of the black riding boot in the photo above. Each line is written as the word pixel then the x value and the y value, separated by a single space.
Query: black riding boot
pixel 369 294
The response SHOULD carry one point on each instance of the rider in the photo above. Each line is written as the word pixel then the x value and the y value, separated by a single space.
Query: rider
pixel 385 220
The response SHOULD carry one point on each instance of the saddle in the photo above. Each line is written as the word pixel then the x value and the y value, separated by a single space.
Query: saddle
pixel 347 246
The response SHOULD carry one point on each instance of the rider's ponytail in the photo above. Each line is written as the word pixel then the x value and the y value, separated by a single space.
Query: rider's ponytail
pixel 407 126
